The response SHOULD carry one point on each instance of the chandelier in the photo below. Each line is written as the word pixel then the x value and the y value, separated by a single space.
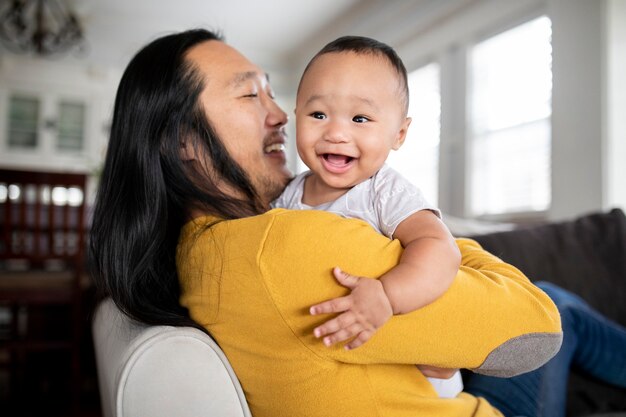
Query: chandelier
pixel 42 27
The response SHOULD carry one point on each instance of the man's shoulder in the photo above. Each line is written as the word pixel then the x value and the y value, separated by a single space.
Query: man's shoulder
pixel 311 224
pixel 296 234
pixel 280 217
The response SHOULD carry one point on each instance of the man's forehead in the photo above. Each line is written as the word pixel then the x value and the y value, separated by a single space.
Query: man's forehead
pixel 219 60
pixel 241 77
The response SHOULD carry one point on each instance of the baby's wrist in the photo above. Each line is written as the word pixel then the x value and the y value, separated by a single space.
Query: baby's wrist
pixel 387 290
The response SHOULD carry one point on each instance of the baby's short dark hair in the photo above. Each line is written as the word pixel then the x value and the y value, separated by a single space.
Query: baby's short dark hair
pixel 365 45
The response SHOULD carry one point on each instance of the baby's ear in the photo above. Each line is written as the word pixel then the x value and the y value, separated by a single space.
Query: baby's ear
pixel 401 136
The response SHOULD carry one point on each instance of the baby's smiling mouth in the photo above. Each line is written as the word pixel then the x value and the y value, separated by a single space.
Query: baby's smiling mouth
pixel 337 160
pixel 337 164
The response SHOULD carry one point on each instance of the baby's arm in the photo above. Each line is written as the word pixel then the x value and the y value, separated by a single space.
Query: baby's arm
pixel 426 269
pixel 428 265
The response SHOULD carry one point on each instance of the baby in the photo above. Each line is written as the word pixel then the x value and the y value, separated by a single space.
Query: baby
pixel 351 110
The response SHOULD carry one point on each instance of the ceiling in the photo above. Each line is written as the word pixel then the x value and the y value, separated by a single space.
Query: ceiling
pixel 265 31
pixel 279 35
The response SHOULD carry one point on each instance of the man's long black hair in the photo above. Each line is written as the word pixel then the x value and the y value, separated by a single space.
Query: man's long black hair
pixel 147 189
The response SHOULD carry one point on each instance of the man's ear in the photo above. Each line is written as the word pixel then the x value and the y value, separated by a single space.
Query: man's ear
pixel 401 135
pixel 187 151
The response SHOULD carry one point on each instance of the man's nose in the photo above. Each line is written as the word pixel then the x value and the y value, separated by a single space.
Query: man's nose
pixel 275 115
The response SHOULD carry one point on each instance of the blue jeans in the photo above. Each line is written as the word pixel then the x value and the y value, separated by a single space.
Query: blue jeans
pixel 591 343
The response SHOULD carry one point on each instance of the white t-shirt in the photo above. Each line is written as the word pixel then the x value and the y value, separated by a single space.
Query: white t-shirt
pixel 384 201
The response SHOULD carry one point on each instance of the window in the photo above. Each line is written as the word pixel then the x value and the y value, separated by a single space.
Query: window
pixel 23 122
pixel 418 158
pixel 510 105
pixel 71 126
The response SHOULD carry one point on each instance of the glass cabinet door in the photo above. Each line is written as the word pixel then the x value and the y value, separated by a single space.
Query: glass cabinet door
pixel 71 126
pixel 23 132
pixel 44 124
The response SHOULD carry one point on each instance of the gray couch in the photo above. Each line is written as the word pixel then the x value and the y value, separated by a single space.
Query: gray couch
pixel 587 256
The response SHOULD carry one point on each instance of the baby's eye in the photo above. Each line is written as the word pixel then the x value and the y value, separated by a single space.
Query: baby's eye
pixel 251 95
pixel 318 115
pixel 360 119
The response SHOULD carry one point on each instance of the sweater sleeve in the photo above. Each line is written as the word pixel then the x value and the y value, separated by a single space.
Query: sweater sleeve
pixel 492 319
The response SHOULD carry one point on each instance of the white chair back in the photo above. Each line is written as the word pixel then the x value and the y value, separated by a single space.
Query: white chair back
pixel 166 371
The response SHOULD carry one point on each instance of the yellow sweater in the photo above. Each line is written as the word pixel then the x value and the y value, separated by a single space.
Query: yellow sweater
pixel 251 281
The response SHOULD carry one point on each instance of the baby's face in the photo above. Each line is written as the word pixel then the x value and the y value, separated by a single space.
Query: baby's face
pixel 349 115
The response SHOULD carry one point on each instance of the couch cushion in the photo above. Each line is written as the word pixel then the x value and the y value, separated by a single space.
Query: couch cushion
pixel 586 256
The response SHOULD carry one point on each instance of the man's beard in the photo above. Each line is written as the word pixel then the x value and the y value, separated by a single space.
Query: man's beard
pixel 269 189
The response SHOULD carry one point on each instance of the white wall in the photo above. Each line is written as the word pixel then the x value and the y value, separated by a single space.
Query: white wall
pixel 577 106
pixel 615 156
pixel 589 106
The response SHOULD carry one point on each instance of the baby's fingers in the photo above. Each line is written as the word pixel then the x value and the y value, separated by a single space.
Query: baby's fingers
pixel 336 305
pixel 361 338
pixel 340 322
pixel 345 279
pixel 436 372
pixel 342 334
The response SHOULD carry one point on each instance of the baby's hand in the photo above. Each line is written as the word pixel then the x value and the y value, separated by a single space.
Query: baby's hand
pixel 363 311
pixel 436 372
